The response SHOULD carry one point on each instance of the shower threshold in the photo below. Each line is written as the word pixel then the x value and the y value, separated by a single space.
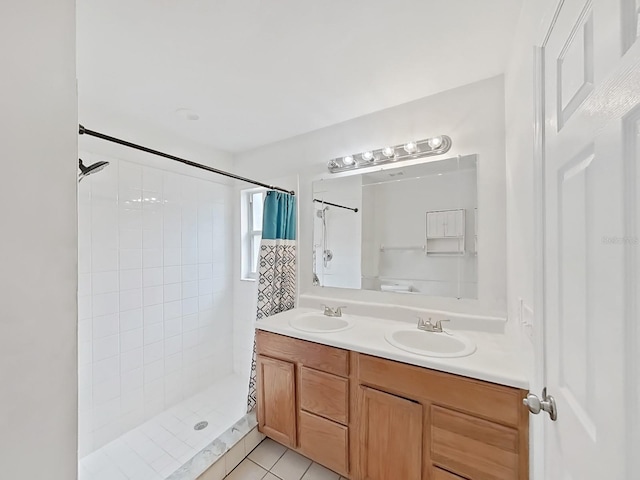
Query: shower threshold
pixel 169 446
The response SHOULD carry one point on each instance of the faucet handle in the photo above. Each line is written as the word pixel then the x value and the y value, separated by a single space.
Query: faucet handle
pixel 338 310
pixel 422 322
pixel 439 323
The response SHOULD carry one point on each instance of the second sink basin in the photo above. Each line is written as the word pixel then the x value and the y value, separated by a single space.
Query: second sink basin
pixel 430 344
pixel 318 323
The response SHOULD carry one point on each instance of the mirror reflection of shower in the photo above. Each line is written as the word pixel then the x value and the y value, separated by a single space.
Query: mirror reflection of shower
pixel 316 280
pixel 327 254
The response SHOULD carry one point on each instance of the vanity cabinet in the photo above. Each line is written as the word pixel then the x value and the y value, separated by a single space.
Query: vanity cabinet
pixel 370 418
pixel 318 408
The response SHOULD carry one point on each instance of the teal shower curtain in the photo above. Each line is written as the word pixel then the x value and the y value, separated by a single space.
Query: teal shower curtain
pixel 276 266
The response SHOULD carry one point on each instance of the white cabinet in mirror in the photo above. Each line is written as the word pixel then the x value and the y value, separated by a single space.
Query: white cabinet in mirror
pixel 410 229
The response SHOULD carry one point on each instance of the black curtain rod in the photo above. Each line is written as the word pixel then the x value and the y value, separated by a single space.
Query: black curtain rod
pixel 355 210
pixel 86 131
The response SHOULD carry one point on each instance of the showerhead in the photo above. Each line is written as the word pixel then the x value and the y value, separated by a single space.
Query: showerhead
pixel 321 213
pixel 85 171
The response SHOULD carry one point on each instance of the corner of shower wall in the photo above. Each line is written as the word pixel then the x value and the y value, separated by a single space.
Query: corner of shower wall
pixel 155 279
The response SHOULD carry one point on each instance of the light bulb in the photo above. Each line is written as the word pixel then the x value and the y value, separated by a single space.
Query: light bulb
pixel 410 147
pixel 388 152
pixel 435 142
pixel 332 164
pixel 348 160
pixel 367 156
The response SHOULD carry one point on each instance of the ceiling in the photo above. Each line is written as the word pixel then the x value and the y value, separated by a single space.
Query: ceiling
pixel 259 71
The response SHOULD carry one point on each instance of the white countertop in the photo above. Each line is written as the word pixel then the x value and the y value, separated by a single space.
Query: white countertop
pixel 494 360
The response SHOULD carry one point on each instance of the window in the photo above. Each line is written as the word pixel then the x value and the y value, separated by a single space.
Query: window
pixel 253 203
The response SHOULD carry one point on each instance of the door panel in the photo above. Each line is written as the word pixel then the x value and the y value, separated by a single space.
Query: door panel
pixel 390 437
pixel 277 400
pixel 589 89
pixel 632 276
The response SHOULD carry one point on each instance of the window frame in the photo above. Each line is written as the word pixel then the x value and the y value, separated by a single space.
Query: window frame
pixel 250 235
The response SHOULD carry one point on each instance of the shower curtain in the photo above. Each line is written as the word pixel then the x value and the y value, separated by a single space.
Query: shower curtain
pixel 276 266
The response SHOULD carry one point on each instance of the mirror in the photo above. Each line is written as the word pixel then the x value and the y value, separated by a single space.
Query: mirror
pixel 408 229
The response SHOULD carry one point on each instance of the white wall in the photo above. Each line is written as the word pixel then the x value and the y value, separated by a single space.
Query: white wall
pixel 155 275
pixel 38 240
pixel 472 115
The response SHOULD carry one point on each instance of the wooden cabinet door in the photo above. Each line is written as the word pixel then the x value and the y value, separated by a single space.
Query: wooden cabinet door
pixel 391 428
pixel 277 400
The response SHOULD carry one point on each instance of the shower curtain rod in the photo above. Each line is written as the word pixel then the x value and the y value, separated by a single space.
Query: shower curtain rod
pixel 355 210
pixel 92 133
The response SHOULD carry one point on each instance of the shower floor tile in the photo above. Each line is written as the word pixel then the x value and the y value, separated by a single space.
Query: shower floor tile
pixel 157 448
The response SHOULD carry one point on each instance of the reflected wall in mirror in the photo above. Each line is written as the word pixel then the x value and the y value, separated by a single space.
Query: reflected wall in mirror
pixel 409 229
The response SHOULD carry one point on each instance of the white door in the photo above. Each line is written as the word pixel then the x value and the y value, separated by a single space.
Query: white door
pixel 591 91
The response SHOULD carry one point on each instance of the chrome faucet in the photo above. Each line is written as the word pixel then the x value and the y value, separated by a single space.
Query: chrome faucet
pixel 427 326
pixel 333 312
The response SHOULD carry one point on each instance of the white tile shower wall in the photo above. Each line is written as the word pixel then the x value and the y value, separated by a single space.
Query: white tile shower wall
pixel 155 282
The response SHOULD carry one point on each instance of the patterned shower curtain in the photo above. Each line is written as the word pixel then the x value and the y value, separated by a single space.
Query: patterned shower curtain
pixel 276 266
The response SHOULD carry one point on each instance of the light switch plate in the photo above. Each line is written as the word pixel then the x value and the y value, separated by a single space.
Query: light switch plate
pixel 526 317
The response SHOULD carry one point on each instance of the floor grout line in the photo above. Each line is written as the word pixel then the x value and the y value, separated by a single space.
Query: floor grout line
pixel 305 472
pixel 279 458
pixel 270 470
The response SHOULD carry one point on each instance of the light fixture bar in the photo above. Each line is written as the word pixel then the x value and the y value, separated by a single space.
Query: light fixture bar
pixel 408 151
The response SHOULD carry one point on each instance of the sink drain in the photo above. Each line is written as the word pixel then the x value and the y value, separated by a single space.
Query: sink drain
pixel 200 425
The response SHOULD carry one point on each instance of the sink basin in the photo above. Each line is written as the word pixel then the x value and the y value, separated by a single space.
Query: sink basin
pixel 318 323
pixel 430 344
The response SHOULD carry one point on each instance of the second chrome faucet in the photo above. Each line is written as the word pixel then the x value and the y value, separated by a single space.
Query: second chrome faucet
pixel 333 312
pixel 427 326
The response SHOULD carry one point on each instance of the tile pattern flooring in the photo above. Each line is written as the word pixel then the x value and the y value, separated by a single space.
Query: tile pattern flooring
pixel 157 448
pixel 272 461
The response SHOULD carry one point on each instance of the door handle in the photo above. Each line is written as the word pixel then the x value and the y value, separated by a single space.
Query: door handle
pixel 547 404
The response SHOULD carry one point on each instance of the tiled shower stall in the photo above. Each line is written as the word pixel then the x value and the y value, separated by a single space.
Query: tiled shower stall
pixel 155 310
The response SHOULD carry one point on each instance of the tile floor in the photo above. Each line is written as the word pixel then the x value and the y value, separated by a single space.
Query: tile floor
pixel 272 461
pixel 157 448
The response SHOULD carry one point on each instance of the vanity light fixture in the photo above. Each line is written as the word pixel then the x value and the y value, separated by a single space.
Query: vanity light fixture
pixel 410 147
pixel 435 142
pixel 367 156
pixel 391 154
pixel 388 152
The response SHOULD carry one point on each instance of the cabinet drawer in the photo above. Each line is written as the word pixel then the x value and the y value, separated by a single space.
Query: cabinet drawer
pixel 313 355
pixel 472 447
pixel 324 441
pixel 439 474
pixel 498 403
pixel 324 394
